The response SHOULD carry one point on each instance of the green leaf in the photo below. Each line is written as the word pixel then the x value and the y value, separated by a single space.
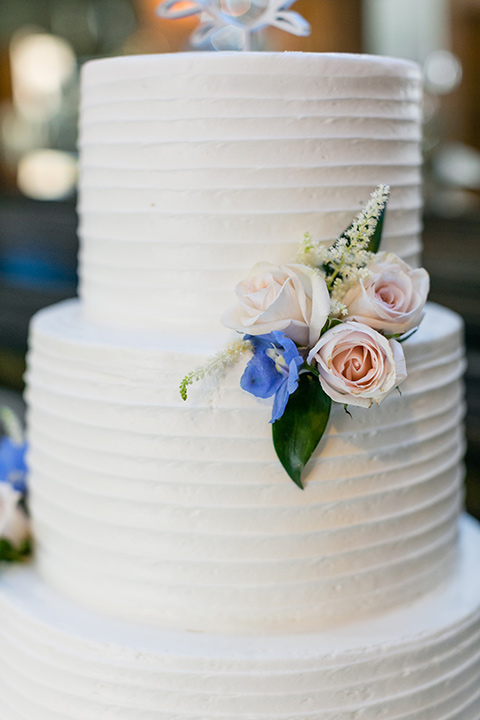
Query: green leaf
pixel 297 433
pixel 7 551
pixel 406 336
pixel 331 323
pixel 10 553
pixel 376 238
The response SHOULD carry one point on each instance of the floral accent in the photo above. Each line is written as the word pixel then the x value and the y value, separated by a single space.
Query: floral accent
pixel 345 262
pixel 293 298
pixel 215 365
pixel 391 298
pixel 323 329
pixel 13 469
pixel 273 369
pixel 357 365
pixel 14 523
pixel 231 24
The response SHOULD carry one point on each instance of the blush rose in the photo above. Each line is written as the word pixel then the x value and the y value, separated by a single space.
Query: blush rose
pixel 357 365
pixel 391 298
pixel 292 298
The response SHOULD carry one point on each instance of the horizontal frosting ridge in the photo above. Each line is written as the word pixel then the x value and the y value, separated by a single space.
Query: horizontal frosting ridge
pixel 191 138
pixel 91 663
pixel 117 454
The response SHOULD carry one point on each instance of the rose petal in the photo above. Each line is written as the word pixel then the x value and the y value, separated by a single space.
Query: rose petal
pixel 392 298
pixel 292 298
pixel 357 365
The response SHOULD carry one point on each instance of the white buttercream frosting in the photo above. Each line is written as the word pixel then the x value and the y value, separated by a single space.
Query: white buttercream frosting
pixel 180 513
pixel 421 662
pixel 194 167
pixel 351 599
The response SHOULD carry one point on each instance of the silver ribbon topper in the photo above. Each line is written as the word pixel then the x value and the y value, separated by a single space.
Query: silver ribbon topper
pixel 232 24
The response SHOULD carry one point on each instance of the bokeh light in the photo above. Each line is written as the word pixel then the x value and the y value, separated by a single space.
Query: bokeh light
pixel 47 174
pixel 442 71
pixel 41 65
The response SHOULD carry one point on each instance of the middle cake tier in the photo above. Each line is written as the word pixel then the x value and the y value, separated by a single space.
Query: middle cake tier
pixel 180 514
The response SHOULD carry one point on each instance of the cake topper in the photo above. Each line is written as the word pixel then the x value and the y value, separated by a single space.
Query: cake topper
pixel 234 24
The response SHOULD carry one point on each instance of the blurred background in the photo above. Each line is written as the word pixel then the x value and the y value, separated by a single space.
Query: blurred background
pixel 43 44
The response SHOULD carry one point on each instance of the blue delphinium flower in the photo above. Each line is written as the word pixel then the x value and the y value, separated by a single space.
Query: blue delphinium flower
pixel 12 463
pixel 273 369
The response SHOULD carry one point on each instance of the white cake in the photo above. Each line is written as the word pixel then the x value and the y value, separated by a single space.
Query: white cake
pixel 179 573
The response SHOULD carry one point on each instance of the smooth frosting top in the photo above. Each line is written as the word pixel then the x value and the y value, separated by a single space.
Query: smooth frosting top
pixel 286 63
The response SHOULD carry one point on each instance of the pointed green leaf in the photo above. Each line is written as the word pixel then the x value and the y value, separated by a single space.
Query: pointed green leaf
pixel 375 240
pixel 405 336
pixel 7 551
pixel 331 323
pixel 297 433
pixel 10 553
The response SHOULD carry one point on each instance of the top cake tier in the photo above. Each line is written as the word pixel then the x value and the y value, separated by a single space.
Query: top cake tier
pixel 196 166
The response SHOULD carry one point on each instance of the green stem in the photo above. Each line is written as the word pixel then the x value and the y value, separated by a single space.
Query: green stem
pixel 308 369
pixel 335 274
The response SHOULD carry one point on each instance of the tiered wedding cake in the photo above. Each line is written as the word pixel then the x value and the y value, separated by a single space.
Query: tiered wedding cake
pixel 179 573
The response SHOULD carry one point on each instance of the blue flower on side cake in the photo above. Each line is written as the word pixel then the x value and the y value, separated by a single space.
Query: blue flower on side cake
pixel 15 543
pixel 273 369
pixel 327 328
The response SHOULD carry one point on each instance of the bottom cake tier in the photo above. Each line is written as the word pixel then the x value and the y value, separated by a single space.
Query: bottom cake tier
pixel 421 662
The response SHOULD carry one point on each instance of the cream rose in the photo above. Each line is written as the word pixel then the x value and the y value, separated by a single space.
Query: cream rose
pixel 14 525
pixel 292 298
pixel 392 298
pixel 357 365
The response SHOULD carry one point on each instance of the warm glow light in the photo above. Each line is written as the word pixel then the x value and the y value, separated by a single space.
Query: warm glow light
pixel 443 71
pixel 459 165
pixel 41 65
pixel 186 5
pixel 47 174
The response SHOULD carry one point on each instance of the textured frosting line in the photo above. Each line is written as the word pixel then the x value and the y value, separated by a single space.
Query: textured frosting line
pixel 194 168
pixel 59 662
pixel 280 64
pixel 180 514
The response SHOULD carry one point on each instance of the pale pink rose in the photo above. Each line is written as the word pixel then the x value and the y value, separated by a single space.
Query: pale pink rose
pixel 392 298
pixel 14 524
pixel 357 365
pixel 292 298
